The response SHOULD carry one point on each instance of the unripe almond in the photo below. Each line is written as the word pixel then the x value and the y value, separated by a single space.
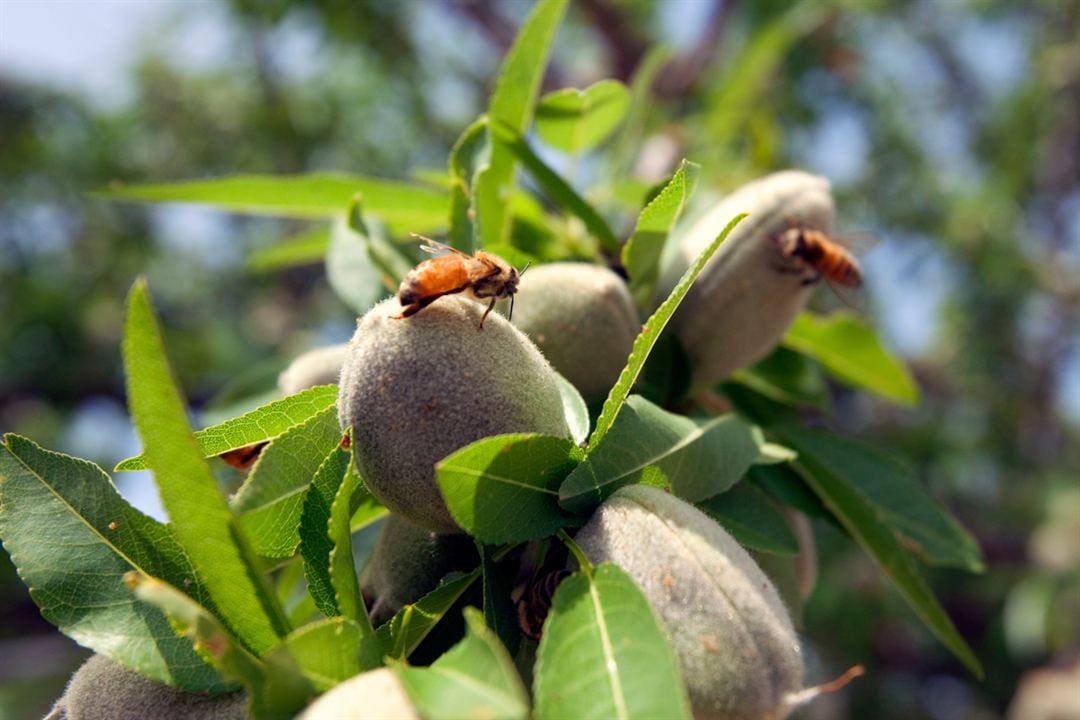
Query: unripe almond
pixel 582 318
pixel 374 695
pixel 320 366
pixel 739 654
pixel 408 562
pixel 415 390
pixel 742 303
pixel 102 688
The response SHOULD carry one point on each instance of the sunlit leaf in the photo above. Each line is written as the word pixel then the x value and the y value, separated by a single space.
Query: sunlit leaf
pixel 331 650
pixel 695 458
pixel 72 538
pixel 200 518
pixel 641 253
pixel 506 488
pixel 411 624
pixel 575 409
pixel 308 248
pixel 850 351
pixel 475 679
pixel 402 206
pixel 574 120
pixel 604 655
pixel 648 336
pixel 259 425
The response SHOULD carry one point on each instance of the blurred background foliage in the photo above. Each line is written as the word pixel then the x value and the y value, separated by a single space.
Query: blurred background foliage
pixel 949 128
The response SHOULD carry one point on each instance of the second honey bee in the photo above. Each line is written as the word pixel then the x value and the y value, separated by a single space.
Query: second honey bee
pixel 805 249
pixel 483 275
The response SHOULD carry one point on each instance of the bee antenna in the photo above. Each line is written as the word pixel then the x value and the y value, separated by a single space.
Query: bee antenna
pixel 525 268
pixel 511 315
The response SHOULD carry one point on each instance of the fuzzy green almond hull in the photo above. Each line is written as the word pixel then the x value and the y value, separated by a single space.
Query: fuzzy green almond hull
pixel 374 695
pixel 732 635
pixel 582 318
pixel 743 302
pixel 408 562
pixel 318 366
pixel 416 389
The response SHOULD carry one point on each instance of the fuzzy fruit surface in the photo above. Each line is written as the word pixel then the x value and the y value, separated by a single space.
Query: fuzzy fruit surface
pixel 733 637
pixel 582 318
pixel 318 366
pixel 408 562
pixel 102 688
pixel 374 695
pixel 417 389
pixel 743 302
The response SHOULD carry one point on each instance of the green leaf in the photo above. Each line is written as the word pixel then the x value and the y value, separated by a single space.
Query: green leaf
pixel 641 101
pixel 342 568
pixel 850 351
pixel 259 425
pixel 276 689
pixel 646 339
pixel 404 632
pixel 467 157
pixel 747 513
pixel 603 654
pixel 512 103
pixel 736 95
pixel 695 458
pixel 924 525
pixel 641 253
pixel 500 612
pixel 72 538
pixel 787 377
pixel 332 650
pixel 559 190
pixel 315 543
pixel 574 120
pixel 574 408
pixel 201 520
pixel 307 248
pixel 402 206
pixel 506 488
pixel 786 486
pixel 474 679
pixel 350 270
pixel 271 499
pixel 873 529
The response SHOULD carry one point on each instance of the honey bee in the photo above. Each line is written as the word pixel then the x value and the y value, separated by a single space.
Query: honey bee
pixel 806 249
pixel 483 275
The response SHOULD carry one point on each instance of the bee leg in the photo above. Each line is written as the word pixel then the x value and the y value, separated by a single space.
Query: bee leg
pixel 490 307
pixel 811 279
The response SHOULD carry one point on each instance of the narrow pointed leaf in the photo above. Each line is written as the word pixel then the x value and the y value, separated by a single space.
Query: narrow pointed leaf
pixel 342 568
pixel 575 410
pixel 401 634
pixel 849 350
pixel 402 206
pixel 259 425
pixel 315 543
pixel 332 650
pixel 925 526
pixel 467 157
pixel 604 655
pixel 869 525
pixel 276 689
pixel 559 190
pixel 513 102
pixel 641 253
pixel 201 520
pixel 506 488
pixel 271 499
pixel 72 537
pixel 352 273
pixel 575 120
pixel 630 137
pixel 747 513
pixel 695 458
pixel 475 679
pixel 500 612
pixel 308 248
pixel 648 336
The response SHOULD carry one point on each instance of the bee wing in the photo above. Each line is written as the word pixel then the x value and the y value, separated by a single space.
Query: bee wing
pixel 437 248
pixel 858 243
